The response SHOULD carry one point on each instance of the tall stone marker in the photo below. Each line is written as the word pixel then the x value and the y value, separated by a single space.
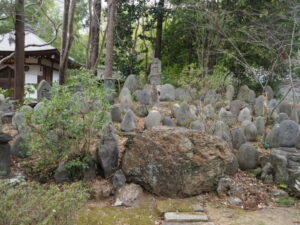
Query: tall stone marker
pixel 155 72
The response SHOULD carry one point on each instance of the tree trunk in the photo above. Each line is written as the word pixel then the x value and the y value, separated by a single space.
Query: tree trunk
pixel 67 38
pixel 19 52
pixel 94 35
pixel 159 29
pixel 110 39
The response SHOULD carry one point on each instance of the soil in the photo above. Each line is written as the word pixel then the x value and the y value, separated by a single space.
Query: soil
pixel 268 216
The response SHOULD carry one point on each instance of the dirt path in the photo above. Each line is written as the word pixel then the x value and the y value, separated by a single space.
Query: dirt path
pixel 268 216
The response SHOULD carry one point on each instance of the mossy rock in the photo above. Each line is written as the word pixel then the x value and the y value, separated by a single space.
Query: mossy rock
pixel 116 216
pixel 174 205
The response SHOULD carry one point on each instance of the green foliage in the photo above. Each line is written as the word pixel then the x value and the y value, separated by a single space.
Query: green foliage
pixel 67 126
pixel 33 203
pixel 283 186
pixel 286 202
pixel 6 92
pixel 193 76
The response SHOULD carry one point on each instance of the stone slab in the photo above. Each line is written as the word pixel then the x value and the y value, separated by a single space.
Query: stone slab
pixel 185 217
pixel 188 223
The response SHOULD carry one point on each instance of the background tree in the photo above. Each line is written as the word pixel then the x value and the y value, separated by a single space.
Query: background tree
pixel 19 51
pixel 67 38
pixel 110 39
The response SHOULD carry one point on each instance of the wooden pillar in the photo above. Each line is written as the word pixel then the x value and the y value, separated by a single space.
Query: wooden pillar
pixel 19 52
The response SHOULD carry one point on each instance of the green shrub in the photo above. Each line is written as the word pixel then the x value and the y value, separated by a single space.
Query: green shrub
pixel 286 202
pixel 33 203
pixel 68 125
pixel 193 76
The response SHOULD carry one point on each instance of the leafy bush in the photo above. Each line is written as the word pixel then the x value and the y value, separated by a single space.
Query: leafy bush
pixel 286 202
pixel 33 203
pixel 66 127
pixel 193 76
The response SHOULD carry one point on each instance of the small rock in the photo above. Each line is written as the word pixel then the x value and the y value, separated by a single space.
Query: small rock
pixel 269 92
pixel 198 125
pixel 259 107
pixel 237 137
pixel 247 157
pixel 61 174
pixel 132 83
pixel 236 106
pixel 277 193
pixel 227 117
pixel 273 137
pixel 142 111
pixel 183 94
pixel 167 93
pixel 115 112
pixel 184 115
pixel 128 194
pixel 167 121
pixel 282 117
pixel 260 125
pixel 119 179
pixel 107 153
pixel 285 107
pixel 229 92
pixel 128 122
pixel 153 119
pixel 185 217
pixel 288 133
pixel 235 201
pixel 245 114
pixel 43 90
pixel 19 147
pixel 250 132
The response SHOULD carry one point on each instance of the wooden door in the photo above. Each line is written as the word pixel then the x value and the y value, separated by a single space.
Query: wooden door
pixel 7 76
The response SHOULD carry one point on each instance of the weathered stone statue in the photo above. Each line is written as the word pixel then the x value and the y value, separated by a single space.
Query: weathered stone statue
pixel 43 90
pixel 155 72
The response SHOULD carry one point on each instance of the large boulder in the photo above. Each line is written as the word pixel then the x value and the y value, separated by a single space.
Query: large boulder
pixel 177 162
pixel 284 166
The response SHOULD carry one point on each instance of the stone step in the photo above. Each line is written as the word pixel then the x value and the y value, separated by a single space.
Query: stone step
pixel 185 217
pixel 188 223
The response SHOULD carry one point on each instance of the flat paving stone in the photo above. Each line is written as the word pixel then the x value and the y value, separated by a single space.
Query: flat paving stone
pixel 186 217
pixel 188 223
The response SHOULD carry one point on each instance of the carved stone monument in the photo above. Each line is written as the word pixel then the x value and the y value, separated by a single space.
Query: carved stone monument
pixel 155 72
pixel 43 90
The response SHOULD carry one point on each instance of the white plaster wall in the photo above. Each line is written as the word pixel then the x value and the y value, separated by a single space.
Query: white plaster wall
pixel 31 77
pixel 55 76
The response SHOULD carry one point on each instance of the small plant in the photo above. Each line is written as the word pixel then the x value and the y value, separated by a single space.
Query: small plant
pixel 283 186
pixel 67 126
pixel 33 203
pixel 286 202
